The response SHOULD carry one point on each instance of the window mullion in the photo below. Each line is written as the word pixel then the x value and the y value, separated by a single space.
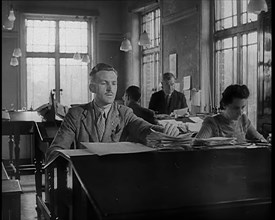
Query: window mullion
pixel 57 63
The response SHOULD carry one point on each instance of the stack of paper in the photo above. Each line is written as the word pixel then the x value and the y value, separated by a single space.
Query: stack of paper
pixel 162 141
pixel 215 141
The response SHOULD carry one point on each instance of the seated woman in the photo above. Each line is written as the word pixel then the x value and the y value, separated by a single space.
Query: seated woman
pixel 231 122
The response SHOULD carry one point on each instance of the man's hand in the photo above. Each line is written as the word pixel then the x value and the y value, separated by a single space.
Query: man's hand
pixel 171 129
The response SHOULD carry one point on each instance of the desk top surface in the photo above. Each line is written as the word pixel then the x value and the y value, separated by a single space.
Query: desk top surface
pixel 25 116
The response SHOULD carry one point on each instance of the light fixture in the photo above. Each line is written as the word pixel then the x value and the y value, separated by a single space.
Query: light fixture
pixel 86 58
pixel 125 45
pixel 144 39
pixel 11 15
pixel 256 6
pixel 17 52
pixel 77 56
pixel 14 61
pixel 8 25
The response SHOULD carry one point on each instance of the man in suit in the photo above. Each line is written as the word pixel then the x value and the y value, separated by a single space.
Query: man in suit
pixel 131 99
pixel 168 99
pixel 102 120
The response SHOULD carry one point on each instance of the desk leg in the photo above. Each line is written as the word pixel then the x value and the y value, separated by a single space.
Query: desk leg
pixel 11 145
pixel 17 154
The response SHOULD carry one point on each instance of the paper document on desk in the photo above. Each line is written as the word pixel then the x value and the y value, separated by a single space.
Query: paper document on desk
pixel 215 141
pixel 116 148
pixel 160 140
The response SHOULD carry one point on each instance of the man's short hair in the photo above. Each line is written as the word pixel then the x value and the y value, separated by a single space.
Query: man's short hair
pixel 99 67
pixel 167 76
pixel 134 93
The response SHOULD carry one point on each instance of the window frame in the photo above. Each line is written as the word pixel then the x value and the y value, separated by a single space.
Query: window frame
pixel 91 21
pixel 150 51
pixel 238 31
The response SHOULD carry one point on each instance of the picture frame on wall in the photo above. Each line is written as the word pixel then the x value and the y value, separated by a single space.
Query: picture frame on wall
pixel 173 64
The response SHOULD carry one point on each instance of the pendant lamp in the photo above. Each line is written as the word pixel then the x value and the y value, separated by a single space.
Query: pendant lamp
pixel 86 58
pixel 77 56
pixel 144 39
pixel 256 6
pixel 17 52
pixel 14 61
pixel 11 15
pixel 8 25
pixel 125 45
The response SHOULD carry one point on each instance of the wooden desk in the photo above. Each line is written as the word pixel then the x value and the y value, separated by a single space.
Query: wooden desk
pixel 196 184
pixel 20 123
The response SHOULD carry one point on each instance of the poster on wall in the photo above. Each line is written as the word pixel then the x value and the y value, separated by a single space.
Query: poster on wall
pixel 173 64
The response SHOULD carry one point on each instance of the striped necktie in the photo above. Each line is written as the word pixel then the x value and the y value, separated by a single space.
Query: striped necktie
pixel 100 125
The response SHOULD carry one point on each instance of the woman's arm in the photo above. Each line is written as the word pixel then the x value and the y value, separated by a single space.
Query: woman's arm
pixel 206 130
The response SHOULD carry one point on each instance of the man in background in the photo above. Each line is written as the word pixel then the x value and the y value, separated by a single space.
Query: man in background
pixel 131 99
pixel 168 99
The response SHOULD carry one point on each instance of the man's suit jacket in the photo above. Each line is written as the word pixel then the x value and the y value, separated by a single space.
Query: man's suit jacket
pixel 79 125
pixel 157 102
pixel 146 114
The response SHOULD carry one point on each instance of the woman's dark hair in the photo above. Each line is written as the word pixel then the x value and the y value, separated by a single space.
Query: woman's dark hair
pixel 232 92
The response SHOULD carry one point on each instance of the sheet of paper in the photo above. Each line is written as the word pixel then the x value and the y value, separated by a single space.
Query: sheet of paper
pixel 181 112
pixel 186 82
pixel 196 98
pixel 187 94
pixel 172 121
pixel 196 119
pixel 177 86
pixel 116 148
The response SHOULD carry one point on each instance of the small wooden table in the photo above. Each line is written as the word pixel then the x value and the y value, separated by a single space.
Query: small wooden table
pixel 20 123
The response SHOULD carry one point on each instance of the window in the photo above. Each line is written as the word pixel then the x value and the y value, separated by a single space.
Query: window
pixel 236 49
pixel 50 45
pixel 150 55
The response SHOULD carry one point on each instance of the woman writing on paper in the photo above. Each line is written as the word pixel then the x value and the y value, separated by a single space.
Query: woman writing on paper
pixel 232 121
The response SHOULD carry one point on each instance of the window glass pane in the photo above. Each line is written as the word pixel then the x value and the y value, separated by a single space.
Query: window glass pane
pixel 252 38
pixel 40 81
pixel 40 35
pixel 74 82
pixel 249 51
pixel 148 78
pixel 227 23
pixel 73 36
pixel 227 43
pixel 150 56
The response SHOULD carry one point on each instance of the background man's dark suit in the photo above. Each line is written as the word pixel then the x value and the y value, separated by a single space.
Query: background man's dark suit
pixel 158 103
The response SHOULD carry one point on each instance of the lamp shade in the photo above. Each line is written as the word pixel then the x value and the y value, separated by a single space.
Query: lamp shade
pixel 17 52
pixel 77 56
pixel 126 45
pixel 14 61
pixel 144 39
pixel 256 6
pixel 86 58
pixel 11 15
pixel 8 25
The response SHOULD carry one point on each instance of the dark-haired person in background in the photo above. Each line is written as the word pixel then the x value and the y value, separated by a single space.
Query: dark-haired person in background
pixel 168 99
pixel 131 99
pixel 231 122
